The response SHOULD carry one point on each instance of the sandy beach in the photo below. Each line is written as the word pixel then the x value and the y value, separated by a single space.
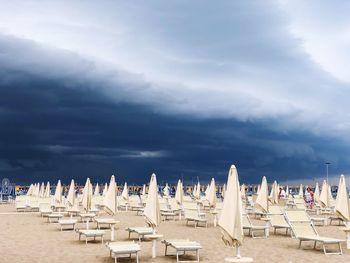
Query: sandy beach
pixel 27 237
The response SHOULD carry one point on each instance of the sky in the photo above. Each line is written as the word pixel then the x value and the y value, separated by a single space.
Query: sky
pixel 183 89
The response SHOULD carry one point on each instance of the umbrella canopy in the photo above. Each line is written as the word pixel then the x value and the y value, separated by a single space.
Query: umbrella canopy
pixel 230 221
pixel 110 199
pixel 125 193
pixel 342 201
pixel 47 190
pixel 287 191
pixel 36 190
pixel 58 192
pixel 144 190
pixel 261 200
pixel 301 192
pixel 317 193
pixel 194 192
pixel 105 189
pixel 324 196
pixel 42 190
pixel 30 190
pixel 179 192
pixel 87 195
pixel 198 192
pixel 274 193
pixel 71 194
pixel 223 190
pixel 166 190
pixel 212 193
pixel 152 208
pixel 97 190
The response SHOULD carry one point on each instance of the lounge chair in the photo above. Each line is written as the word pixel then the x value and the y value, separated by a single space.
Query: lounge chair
pixel 193 216
pixel 278 221
pixel 67 222
pixel 252 229
pixel 54 217
pixel 304 230
pixel 105 221
pixel 182 245
pixel 123 248
pixel 140 231
pixel 90 233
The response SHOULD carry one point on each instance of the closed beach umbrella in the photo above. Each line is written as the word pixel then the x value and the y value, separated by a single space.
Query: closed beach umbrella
pixel 342 202
pixel 274 193
pixel 42 190
pixel 125 193
pixel 58 192
pixel 97 190
pixel 324 196
pixel 301 192
pixel 223 191
pixel 152 208
pixel 47 190
pixel 198 192
pixel 317 193
pixel 166 190
pixel 230 221
pixel 105 189
pixel 36 190
pixel 212 194
pixel 194 192
pixel 144 190
pixel 287 191
pixel 71 194
pixel 30 190
pixel 179 193
pixel 110 200
pixel 261 200
pixel 87 196
pixel 207 191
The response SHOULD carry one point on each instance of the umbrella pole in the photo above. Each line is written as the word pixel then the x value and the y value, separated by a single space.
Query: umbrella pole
pixel 238 252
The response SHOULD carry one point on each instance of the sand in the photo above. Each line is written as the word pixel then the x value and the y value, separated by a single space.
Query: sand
pixel 27 237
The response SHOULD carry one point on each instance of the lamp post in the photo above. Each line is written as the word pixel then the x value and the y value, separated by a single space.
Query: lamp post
pixel 327 164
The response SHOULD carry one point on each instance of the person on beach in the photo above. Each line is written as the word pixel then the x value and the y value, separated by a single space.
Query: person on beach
pixel 309 198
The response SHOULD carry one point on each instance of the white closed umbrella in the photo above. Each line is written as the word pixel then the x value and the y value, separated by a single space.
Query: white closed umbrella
pixel 317 193
pixel 30 190
pixel 223 191
pixel 342 201
pixel 243 190
pixel 194 192
pixel 42 190
pixel 152 208
pixel 207 191
pixel 87 196
pixel 301 192
pixel 230 221
pixel 144 190
pixel 166 190
pixel 47 190
pixel 179 194
pixel 212 194
pixel 71 194
pixel 261 200
pixel 324 196
pixel 198 192
pixel 105 189
pixel 97 190
pixel 58 192
pixel 36 190
pixel 125 192
pixel 110 201
pixel 274 193
pixel 287 191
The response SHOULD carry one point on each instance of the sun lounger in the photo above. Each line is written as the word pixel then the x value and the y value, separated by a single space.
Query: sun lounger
pixel 90 233
pixel 304 230
pixel 54 216
pixel 21 207
pixel 105 221
pixel 252 229
pixel 123 248
pixel 336 218
pixel 140 231
pixel 182 245
pixel 278 221
pixel 193 216
pixel 67 222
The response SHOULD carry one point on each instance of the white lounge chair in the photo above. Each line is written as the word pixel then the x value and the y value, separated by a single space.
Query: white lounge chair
pixel 278 221
pixel 123 248
pixel 67 222
pixel 140 231
pixel 252 229
pixel 90 233
pixel 182 245
pixel 303 229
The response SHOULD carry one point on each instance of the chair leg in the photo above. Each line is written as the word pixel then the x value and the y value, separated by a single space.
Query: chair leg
pixel 315 245
pixel 299 243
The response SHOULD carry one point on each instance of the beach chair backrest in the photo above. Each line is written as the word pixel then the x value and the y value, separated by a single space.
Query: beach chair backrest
pixel 246 220
pixel 190 206
pixel 303 229
pixel 278 220
pixel 297 216
pixel 275 210
pixel 300 206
